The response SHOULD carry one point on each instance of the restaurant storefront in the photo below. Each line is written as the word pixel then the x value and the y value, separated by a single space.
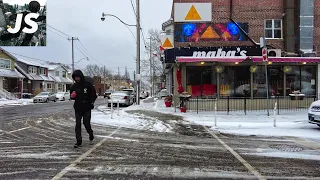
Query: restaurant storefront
pixel 239 72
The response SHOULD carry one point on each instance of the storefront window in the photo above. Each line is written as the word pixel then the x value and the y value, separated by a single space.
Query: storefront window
pixel 235 81
pixel 201 81
pixel 308 80
pixel 275 74
pixel 293 79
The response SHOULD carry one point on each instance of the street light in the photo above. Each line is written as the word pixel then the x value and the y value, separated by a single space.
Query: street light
pixel 137 25
pixel 82 59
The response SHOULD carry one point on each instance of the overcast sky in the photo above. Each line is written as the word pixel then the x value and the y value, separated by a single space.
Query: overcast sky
pixel 109 42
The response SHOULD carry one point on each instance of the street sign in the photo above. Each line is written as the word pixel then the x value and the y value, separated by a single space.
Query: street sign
pixel 265 54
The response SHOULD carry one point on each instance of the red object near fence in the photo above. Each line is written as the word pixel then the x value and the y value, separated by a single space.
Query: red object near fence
pixel 183 109
pixel 168 103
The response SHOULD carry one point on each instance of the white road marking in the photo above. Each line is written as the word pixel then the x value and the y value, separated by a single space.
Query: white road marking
pixel 19 129
pixel 236 155
pixel 74 163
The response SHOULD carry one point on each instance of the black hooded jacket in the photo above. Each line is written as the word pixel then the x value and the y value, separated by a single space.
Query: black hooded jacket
pixel 86 93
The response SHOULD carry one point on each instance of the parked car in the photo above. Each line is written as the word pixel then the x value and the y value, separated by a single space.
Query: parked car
pixel 45 97
pixel 163 93
pixel 124 98
pixel 26 96
pixel 107 93
pixel 143 95
pixel 314 113
pixel 62 96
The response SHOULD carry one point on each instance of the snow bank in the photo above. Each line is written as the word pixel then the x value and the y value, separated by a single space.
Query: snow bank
pixel 102 116
pixel 19 102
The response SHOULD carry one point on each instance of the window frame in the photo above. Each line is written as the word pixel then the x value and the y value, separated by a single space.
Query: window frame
pixel 48 86
pixel 44 71
pixel 33 70
pixel 273 28
pixel 10 65
pixel 57 72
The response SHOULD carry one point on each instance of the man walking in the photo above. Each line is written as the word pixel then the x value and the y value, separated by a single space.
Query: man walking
pixel 84 94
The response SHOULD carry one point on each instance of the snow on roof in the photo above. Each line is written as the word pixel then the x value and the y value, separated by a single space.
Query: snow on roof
pixel 31 63
pixel 10 73
pixel 47 78
pixel 23 72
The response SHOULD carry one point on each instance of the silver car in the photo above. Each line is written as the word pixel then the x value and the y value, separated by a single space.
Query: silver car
pixel 45 97
pixel 123 97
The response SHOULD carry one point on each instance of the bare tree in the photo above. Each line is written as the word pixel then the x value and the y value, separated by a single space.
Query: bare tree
pixel 156 63
pixel 95 70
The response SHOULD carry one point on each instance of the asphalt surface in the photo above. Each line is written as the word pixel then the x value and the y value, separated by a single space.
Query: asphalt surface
pixel 36 142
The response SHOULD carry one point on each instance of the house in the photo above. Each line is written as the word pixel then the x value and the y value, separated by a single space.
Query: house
pixel 37 77
pixel 60 74
pixel 10 78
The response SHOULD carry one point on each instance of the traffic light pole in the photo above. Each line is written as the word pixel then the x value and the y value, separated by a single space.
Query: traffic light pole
pixel 266 69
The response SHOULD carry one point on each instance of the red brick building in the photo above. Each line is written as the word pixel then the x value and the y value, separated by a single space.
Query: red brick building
pixel 224 58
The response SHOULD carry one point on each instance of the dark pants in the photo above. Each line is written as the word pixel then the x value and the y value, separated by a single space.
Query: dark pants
pixel 86 122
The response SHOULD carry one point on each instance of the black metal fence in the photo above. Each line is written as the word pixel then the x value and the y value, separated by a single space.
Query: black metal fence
pixel 247 104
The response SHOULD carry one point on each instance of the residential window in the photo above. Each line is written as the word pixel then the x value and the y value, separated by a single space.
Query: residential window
pixel 32 70
pixel 64 74
pixel 273 28
pixel 5 64
pixel 43 71
pixel 49 86
pixel 57 73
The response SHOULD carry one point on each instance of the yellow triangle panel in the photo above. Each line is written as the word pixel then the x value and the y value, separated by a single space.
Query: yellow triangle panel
pixel 210 34
pixel 167 44
pixel 226 35
pixel 193 14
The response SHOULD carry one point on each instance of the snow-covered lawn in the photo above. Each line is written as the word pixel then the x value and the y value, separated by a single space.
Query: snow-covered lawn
pixel 18 102
pixel 290 123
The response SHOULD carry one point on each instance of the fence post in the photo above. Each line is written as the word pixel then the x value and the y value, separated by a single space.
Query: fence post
pixel 215 113
pixel 245 106
pixel 197 105
pixel 228 104
pixel 278 104
pixel 274 114
pixel 111 112
pixel 118 106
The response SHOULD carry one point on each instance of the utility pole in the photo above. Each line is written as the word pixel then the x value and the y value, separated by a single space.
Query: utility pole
pixel 138 49
pixel 72 39
pixel 126 74
pixel 104 78
pixel 119 77
pixel 151 78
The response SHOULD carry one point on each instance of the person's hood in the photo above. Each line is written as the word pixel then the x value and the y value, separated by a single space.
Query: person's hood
pixel 78 73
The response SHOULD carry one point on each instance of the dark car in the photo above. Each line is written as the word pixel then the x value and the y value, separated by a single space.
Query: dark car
pixel 107 93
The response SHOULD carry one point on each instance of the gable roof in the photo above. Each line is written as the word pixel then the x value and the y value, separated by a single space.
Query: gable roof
pixel 28 62
pixel 7 53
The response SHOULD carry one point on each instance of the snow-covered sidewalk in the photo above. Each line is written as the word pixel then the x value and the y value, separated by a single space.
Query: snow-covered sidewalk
pixel 294 123
pixel 18 102
pixel 290 124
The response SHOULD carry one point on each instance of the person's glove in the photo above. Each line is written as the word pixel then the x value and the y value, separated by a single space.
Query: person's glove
pixel 73 94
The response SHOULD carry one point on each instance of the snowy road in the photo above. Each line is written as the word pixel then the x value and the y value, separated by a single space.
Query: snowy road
pixel 42 148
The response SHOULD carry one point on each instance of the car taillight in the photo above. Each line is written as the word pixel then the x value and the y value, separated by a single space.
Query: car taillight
pixel 126 97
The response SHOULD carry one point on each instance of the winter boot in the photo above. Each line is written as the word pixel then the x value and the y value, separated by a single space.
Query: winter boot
pixel 91 137
pixel 78 144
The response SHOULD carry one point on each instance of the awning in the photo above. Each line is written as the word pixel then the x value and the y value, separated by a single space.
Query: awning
pixel 254 59
pixel 289 59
